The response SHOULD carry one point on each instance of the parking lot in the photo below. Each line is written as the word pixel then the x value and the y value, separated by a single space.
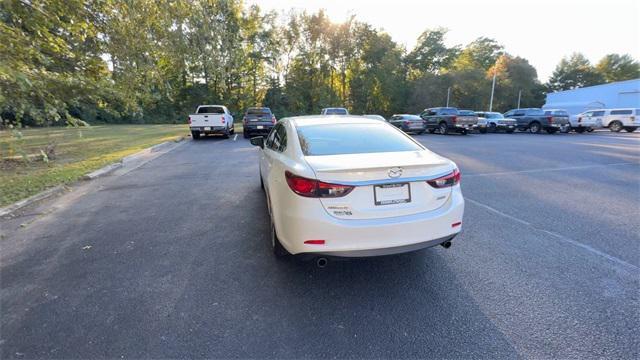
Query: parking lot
pixel 172 259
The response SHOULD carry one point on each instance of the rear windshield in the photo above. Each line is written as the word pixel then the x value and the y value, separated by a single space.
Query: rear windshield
pixel 259 111
pixel 412 117
pixel 466 113
pixel 335 139
pixel 210 110
pixel 335 112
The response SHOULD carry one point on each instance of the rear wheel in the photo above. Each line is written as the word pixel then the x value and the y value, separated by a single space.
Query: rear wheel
pixel 225 134
pixel 615 126
pixel 580 130
pixel 493 128
pixel 278 250
pixel 590 129
pixel 195 135
pixel 630 129
pixel 431 131
pixel 444 129
pixel 534 128
pixel 509 131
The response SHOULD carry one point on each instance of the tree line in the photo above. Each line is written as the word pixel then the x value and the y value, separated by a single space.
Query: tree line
pixel 153 61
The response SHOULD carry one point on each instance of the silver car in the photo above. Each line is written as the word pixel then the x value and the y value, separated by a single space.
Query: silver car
pixel 494 122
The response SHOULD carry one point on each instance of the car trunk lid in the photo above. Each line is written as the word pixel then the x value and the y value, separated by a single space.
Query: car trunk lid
pixel 386 184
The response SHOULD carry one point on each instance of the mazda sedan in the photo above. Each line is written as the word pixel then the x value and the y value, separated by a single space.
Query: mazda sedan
pixel 353 186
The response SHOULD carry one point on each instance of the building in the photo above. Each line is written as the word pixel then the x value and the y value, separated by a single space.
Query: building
pixel 619 94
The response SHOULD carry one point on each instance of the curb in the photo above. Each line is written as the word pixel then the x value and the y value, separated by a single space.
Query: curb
pixel 90 176
pixel 30 200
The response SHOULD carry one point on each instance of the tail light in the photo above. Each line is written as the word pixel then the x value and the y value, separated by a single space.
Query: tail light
pixel 550 119
pixel 189 120
pixel 314 188
pixel 222 120
pixel 273 119
pixel 454 119
pixel 447 180
pixel 406 123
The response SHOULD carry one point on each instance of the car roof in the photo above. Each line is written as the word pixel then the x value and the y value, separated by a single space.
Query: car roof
pixel 406 115
pixel 300 121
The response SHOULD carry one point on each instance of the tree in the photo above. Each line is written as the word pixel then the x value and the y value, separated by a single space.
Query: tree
pixel 615 67
pixel 515 76
pixel 431 54
pixel 481 53
pixel 573 72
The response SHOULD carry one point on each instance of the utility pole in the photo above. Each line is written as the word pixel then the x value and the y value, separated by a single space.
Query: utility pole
pixel 519 95
pixel 493 87
pixel 448 93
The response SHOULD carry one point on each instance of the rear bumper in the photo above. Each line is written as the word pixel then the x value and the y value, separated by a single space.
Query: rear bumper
pixel 254 130
pixel 211 129
pixel 357 238
pixel 413 129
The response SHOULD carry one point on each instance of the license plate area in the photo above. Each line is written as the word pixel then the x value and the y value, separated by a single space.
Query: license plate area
pixel 207 128
pixel 390 194
pixel 259 127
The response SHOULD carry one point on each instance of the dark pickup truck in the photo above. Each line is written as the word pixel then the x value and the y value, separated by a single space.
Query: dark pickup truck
pixel 535 120
pixel 257 121
pixel 449 119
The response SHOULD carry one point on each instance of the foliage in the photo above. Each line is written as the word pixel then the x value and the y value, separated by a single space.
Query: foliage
pixel 152 61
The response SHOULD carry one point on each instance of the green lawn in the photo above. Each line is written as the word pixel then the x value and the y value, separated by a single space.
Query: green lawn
pixel 78 151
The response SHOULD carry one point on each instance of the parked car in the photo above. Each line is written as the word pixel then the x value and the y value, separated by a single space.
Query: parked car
pixel 587 121
pixel 446 119
pixel 534 120
pixel 375 117
pixel 618 119
pixel 211 119
pixel 408 123
pixel 257 121
pixel 494 121
pixel 560 115
pixel 355 187
pixel 334 111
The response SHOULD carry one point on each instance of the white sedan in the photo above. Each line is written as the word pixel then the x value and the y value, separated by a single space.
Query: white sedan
pixel 353 186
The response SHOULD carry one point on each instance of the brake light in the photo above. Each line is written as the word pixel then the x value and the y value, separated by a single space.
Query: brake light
pixel 454 119
pixel 314 188
pixel 550 119
pixel 189 120
pixel 447 180
pixel 314 242
pixel 222 120
pixel 273 119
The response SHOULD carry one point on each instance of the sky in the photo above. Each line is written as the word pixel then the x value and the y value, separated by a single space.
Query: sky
pixel 541 31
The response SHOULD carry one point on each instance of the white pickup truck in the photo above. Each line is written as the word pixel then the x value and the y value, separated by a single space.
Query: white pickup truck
pixel 211 119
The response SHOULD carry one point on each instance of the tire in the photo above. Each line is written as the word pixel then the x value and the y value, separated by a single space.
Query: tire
pixel 590 129
pixel 444 129
pixel 431 131
pixel 493 128
pixel 482 130
pixel 278 250
pixel 630 129
pixel 565 129
pixel 615 126
pixel 579 130
pixel 509 131
pixel 225 134
pixel 245 134
pixel 551 131
pixel 535 127
pixel 195 135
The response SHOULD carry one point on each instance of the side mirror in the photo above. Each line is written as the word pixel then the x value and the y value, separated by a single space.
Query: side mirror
pixel 257 141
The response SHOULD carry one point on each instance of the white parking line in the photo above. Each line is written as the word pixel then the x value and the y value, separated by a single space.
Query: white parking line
pixel 549 169
pixel 235 137
pixel 557 236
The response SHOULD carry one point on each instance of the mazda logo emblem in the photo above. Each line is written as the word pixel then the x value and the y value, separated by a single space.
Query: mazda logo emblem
pixel 395 172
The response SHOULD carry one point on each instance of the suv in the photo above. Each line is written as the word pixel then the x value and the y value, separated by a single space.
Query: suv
pixel 494 121
pixel 447 119
pixel 257 121
pixel 334 111
pixel 535 120
pixel 618 119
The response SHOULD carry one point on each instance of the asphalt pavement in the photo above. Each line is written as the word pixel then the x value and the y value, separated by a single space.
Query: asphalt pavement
pixel 172 259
